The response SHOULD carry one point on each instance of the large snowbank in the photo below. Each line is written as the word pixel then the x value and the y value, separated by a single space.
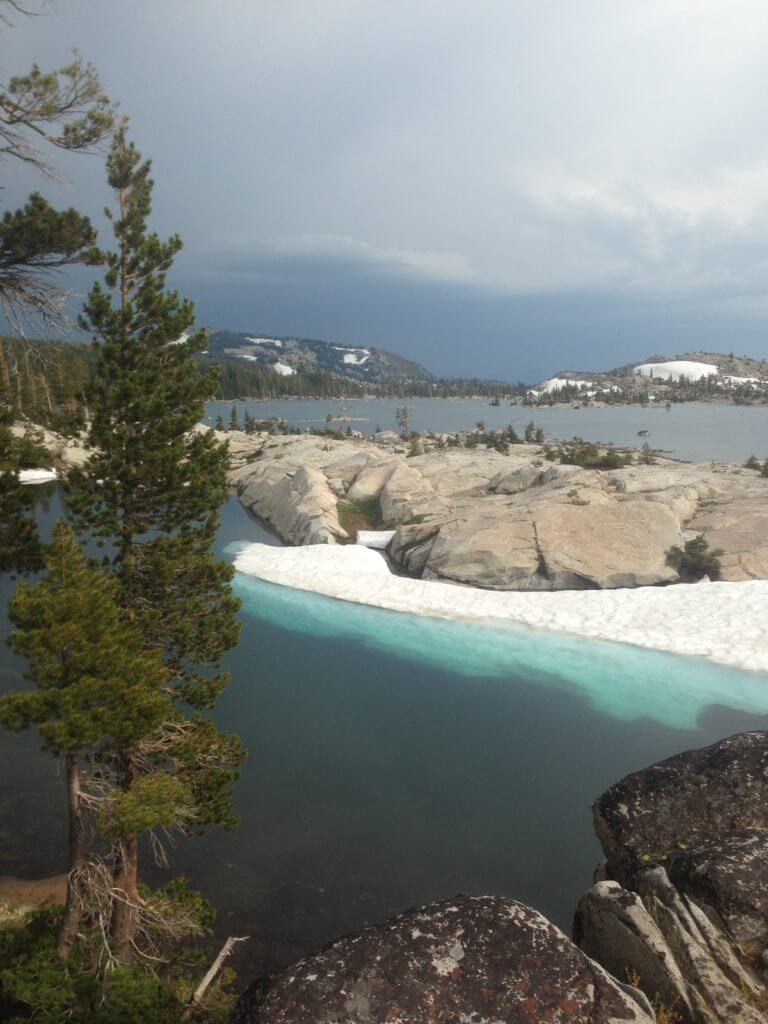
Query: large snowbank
pixel 723 622
pixel 675 369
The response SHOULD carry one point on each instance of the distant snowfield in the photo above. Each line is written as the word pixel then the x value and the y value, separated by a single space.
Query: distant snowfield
pixel 725 623
pixel 283 369
pixel 558 383
pixel 37 476
pixel 675 369
pixel 265 341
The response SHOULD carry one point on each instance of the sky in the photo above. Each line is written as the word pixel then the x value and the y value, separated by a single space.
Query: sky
pixel 495 188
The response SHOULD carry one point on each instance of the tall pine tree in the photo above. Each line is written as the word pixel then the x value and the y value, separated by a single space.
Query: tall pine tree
pixel 151 493
pixel 97 690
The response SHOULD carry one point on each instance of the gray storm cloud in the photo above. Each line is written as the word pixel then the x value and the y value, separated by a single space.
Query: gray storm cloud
pixel 550 179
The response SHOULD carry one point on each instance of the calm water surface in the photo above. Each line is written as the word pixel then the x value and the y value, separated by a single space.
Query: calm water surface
pixel 694 431
pixel 393 761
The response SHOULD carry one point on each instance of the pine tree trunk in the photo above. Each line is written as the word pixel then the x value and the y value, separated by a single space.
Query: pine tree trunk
pixel 5 377
pixel 125 917
pixel 125 882
pixel 73 908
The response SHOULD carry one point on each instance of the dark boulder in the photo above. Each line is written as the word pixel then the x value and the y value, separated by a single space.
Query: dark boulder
pixel 698 796
pixel 683 906
pixel 729 875
pixel 468 959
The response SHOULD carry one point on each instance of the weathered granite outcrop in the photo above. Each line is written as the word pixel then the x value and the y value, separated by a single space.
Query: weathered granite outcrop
pixel 470 959
pixel 683 906
pixel 68 452
pixel 295 482
pixel 516 521
pixel 297 502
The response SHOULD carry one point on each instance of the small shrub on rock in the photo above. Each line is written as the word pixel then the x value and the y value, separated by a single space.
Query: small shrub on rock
pixel 695 560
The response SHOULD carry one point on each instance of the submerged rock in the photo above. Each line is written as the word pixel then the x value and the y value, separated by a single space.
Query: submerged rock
pixel 684 909
pixel 469 959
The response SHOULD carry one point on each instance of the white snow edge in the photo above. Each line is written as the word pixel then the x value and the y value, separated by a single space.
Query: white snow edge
pixel 722 622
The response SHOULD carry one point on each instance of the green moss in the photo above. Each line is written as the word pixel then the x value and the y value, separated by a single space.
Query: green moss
pixel 360 515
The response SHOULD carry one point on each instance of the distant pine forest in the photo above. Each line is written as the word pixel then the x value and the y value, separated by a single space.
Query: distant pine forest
pixel 46 381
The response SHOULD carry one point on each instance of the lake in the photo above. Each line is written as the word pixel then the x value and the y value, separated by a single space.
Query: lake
pixel 395 760
pixel 694 431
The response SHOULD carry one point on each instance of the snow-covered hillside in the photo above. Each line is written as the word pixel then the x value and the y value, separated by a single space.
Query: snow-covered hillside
pixel 660 378
pixel 291 356
pixel 676 369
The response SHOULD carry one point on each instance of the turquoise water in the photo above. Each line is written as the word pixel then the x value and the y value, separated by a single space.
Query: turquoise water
pixel 695 431
pixel 395 760
pixel 619 680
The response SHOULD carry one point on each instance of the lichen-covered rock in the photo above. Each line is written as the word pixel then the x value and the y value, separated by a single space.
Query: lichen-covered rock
pixel 471 959
pixel 729 873
pixel 698 796
pixel 686 844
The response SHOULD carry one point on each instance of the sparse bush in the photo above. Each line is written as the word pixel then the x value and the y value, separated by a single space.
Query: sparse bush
pixel 695 560
pixel 414 447
pixel 334 435
pixel 587 454
pixel 646 456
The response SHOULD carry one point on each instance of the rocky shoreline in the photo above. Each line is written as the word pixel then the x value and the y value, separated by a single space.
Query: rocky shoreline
pixel 674 930
pixel 513 521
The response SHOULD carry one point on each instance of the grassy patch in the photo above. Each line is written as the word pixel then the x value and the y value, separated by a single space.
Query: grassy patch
pixel 359 515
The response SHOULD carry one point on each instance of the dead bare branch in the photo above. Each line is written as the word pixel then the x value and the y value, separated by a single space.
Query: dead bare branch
pixel 210 974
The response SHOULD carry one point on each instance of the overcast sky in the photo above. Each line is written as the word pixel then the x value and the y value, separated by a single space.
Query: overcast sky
pixel 492 187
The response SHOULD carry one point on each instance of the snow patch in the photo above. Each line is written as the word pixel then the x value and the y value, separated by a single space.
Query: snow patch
pixel 283 369
pixel 265 341
pixel 675 369
pixel 376 539
pixel 722 622
pixel 36 476
pixel 558 383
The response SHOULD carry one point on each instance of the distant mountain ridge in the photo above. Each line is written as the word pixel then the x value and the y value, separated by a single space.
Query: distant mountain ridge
pixel 716 370
pixel 288 356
